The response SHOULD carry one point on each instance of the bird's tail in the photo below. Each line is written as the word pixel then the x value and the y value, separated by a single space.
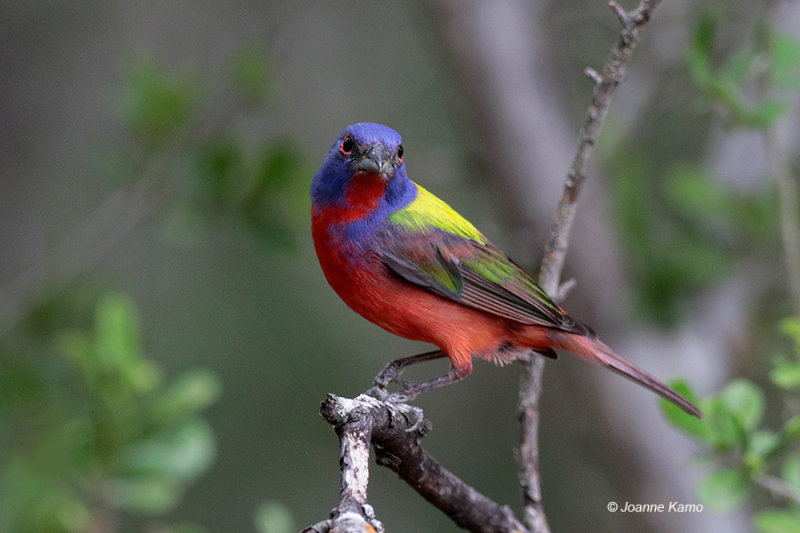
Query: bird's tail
pixel 595 351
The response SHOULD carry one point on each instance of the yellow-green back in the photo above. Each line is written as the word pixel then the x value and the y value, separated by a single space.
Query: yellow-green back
pixel 427 212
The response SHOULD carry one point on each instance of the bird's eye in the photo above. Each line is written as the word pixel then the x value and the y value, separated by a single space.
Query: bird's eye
pixel 347 146
pixel 400 153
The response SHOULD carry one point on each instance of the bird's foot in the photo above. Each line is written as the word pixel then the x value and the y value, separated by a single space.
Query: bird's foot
pixel 378 392
pixel 397 402
pixel 401 397
pixel 412 414
pixel 391 373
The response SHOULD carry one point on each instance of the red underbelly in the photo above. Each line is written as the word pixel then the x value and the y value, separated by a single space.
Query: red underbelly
pixel 414 312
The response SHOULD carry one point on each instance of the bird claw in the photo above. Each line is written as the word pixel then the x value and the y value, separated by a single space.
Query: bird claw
pixel 397 402
pixel 400 398
pixel 391 373
pixel 378 392
pixel 412 414
pixel 382 380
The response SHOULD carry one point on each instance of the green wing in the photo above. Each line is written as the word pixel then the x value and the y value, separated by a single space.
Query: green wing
pixel 427 243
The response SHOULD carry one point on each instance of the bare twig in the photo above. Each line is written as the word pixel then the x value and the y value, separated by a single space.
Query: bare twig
pixel 593 75
pixel 621 14
pixel 556 248
pixel 365 420
pixel 613 73
pixel 778 488
pixel 529 393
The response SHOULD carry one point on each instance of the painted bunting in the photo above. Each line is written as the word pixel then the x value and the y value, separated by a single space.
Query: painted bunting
pixel 405 260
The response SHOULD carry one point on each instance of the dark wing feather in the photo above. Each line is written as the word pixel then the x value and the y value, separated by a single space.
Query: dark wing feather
pixel 472 273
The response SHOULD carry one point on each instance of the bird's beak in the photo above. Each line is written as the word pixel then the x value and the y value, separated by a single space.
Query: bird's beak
pixel 376 160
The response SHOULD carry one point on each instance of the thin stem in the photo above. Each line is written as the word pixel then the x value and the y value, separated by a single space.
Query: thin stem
pixel 557 244
pixel 530 392
pixel 777 487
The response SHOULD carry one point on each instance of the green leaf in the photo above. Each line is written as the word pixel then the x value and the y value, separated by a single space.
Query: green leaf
pixel 177 453
pixel 273 517
pixel 759 447
pixel 251 73
pixel 681 419
pixel 275 196
pixel 79 348
pixel 725 432
pixel 791 431
pixel 778 521
pixel 156 102
pixel 145 495
pixel 765 114
pixel 786 374
pixel 728 92
pixel 791 326
pixel 791 472
pixel 785 61
pixel 117 345
pixel 143 377
pixel 192 392
pixel 698 56
pixel 692 190
pixel 117 332
pixel 279 165
pixel 738 65
pixel 723 489
pixel 745 401
pixel 221 170
pixel 72 514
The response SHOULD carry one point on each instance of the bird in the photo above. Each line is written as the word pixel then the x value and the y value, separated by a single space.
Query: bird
pixel 408 262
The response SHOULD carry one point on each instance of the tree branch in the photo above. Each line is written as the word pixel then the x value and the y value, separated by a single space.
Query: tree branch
pixel 613 73
pixel 364 420
pixel 353 421
pixel 555 251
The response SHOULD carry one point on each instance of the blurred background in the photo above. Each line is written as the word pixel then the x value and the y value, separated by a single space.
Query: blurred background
pixel 166 334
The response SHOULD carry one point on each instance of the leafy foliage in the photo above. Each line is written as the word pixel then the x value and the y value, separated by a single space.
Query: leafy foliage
pixel 259 190
pixel 683 227
pixel 747 89
pixel 193 157
pixel 110 437
pixel 772 61
pixel 746 455
pixel 156 102
pixel 92 434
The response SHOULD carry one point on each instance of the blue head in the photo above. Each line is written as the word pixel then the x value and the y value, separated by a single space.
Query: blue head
pixel 363 148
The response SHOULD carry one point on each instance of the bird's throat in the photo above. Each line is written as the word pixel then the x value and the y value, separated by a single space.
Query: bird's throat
pixel 362 198
pixel 364 193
